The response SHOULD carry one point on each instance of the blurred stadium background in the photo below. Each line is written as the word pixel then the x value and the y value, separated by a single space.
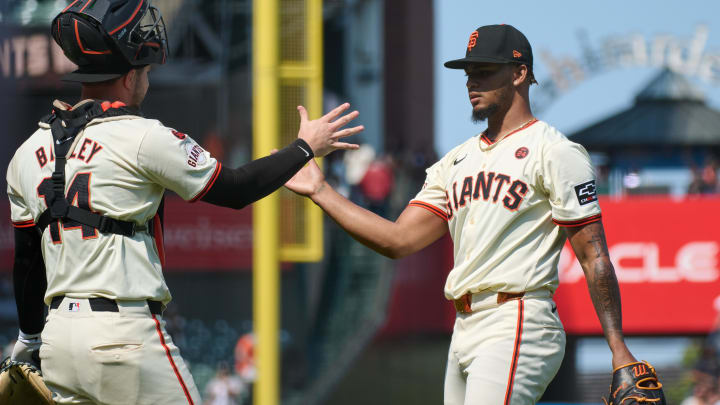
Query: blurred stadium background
pixel 357 328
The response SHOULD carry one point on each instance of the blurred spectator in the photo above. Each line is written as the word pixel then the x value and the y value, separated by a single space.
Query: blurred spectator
pixel 706 373
pixel 245 357
pixel 705 180
pixel 705 379
pixel 224 388
pixel 378 181
pixel 357 163
pixel 371 178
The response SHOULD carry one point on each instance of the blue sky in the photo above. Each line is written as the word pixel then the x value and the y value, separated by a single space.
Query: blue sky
pixel 552 28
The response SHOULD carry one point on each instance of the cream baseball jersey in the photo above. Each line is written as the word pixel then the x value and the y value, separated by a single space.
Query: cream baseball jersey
pixel 119 167
pixel 505 202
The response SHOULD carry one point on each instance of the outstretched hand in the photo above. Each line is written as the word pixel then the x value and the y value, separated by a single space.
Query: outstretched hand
pixel 324 133
pixel 308 181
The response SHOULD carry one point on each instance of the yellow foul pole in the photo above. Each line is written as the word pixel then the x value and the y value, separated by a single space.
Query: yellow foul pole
pixel 266 267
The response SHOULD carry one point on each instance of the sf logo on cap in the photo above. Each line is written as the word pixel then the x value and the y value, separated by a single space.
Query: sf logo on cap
pixel 473 40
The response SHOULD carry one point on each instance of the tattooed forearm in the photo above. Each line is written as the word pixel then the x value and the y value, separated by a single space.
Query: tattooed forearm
pixel 591 249
pixel 605 295
pixel 597 241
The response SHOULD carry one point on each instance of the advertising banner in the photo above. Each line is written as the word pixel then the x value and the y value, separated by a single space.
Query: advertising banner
pixel 666 256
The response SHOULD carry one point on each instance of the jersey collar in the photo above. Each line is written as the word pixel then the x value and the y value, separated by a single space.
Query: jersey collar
pixel 486 143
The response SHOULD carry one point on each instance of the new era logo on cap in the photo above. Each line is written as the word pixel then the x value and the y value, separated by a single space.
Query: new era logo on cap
pixel 516 54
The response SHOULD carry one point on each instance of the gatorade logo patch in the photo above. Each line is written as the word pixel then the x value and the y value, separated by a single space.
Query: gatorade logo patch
pixel 586 192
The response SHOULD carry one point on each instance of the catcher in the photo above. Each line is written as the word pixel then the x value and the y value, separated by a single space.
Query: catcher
pixel 86 192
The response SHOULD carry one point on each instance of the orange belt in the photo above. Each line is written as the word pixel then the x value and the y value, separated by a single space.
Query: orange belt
pixel 463 304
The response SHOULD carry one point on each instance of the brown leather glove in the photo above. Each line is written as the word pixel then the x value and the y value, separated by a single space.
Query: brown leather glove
pixel 22 384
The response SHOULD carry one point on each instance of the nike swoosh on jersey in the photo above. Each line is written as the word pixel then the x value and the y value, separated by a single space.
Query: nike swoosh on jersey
pixel 459 160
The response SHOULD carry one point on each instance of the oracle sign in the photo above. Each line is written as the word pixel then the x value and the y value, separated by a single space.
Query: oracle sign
pixel 666 256
pixel 639 262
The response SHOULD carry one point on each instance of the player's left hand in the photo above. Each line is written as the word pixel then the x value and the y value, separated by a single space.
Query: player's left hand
pixel 27 349
pixel 308 181
pixel 324 134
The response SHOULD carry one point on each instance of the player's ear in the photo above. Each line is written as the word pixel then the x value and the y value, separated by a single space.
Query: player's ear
pixel 520 74
pixel 129 79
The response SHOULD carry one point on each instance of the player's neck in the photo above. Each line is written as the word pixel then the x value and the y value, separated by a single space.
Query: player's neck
pixel 499 125
pixel 108 93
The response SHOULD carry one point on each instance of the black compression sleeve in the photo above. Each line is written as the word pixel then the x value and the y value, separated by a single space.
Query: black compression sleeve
pixel 29 280
pixel 236 188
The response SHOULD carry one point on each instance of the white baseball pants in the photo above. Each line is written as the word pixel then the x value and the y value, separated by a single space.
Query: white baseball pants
pixel 504 354
pixel 113 358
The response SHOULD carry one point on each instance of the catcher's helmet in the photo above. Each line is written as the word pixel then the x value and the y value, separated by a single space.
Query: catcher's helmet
pixel 107 38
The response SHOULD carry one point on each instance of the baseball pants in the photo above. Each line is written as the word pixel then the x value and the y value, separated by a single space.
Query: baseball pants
pixel 504 354
pixel 113 358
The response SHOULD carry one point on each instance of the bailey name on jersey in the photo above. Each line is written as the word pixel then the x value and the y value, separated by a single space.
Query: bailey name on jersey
pixel 87 151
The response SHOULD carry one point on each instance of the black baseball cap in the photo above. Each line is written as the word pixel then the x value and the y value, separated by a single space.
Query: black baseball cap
pixel 96 74
pixel 496 44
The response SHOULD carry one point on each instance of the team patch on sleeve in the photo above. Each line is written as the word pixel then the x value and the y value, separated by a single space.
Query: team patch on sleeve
pixel 195 154
pixel 586 192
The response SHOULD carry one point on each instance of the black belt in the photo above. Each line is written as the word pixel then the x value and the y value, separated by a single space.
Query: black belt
pixel 107 305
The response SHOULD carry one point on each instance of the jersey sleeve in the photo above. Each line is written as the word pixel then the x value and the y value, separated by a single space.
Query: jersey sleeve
pixel 176 162
pixel 433 196
pixel 569 180
pixel 20 214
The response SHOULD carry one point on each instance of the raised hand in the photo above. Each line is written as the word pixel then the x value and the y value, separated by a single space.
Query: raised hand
pixel 308 181
pixel 323 133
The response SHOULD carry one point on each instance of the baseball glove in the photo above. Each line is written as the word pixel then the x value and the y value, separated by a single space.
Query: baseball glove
pixel 22 384
pixel 635 383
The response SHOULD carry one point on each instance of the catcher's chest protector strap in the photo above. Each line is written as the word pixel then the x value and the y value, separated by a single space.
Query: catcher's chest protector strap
pixel 65 126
